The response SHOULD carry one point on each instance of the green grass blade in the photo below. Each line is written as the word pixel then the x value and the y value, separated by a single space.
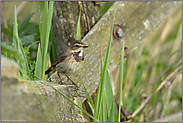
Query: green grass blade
pixel 43 96
pixel 113 116
pixel 73 103
pixel 103 106
pixel 65 97
pixel 104 110
pixel 91 107
pixel 104 72
pixel 120 81
pixel 111 109
pixel 125 78
pixel 15 31
pixel 7 31
pixel 39 16
pixel 41 100
pixel 99 87
pixel 53 52
pixel 18 46
pixel 27 40
pixel 90 102
pixel 109 93
pixel 43 26
pixel 100 116
pixel 78 32
pixel 47 32
pixel 43 36
pixel 80 112
pixel 27 48
pixel 25 22
pixel 24 64
pixel 10 49
pixel 38 67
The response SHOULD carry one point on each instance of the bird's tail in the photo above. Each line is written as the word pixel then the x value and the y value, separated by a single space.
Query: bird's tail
pixel 48 71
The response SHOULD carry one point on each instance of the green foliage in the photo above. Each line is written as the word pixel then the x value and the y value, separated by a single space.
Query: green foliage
pixel 38 66
pixel 53 53
pixel 27 40
pixel 19 53
pixel 78 32
pixel 104 109
pixel 23 26
pixel 90 102
pixel 112 117
pixel 44 33
pixel 150 65
pixel 18 46
pixel 138 78
pixel 105 6
pixel 23 38
pixel 5 48
pixel 120 81
pixel 15 32
pixel 8 31
pixel 73 102
pixel 105 104
pixel 27 32
pixel 42 96
pixel 105 99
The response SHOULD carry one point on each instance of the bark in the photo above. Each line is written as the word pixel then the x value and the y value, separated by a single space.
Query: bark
pixel 137 19
pixel 65 18
pixel 34 101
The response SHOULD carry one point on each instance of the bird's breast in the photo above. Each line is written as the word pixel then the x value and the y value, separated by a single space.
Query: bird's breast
pixel 70 65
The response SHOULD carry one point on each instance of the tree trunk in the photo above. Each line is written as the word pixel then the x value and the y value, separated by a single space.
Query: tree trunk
pixel 65 18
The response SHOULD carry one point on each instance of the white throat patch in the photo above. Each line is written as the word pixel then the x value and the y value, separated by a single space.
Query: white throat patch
pixel 79 50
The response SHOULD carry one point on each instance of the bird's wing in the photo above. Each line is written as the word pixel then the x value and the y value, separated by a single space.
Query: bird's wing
pixel 61 56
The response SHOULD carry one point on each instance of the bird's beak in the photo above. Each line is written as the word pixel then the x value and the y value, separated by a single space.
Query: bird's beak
pixel 85 46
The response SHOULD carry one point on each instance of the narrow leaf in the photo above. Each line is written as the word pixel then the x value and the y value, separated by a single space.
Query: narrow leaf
pixel 48 27
pixel 24 64
pixel 111 109
pixel 25 22
pixel 7 31
pixel 28 39
pixel 38 67
pixel 73 102
pixel 43 26
pixel 78 32
pixel 54 52
pixel 120 81
pixel 15 31
pixel 104 72
pixel 90 102
pixel 8 48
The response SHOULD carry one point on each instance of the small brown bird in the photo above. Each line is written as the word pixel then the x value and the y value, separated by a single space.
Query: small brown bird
pixel 69 60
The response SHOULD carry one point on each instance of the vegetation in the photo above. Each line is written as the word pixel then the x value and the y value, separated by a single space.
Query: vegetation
pixel 151 73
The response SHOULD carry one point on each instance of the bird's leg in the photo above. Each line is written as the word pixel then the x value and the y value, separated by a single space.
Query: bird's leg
pixel 72 82
pixel 60 79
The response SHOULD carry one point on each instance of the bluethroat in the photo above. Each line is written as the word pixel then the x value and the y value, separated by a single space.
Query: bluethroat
pixel 69 60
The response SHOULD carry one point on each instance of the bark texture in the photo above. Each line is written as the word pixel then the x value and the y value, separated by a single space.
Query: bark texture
pixel 65 18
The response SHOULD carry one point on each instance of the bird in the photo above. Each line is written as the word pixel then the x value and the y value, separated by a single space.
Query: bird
pixel 69 60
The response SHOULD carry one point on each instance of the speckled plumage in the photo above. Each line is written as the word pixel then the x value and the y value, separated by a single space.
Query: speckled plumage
pixel 69 60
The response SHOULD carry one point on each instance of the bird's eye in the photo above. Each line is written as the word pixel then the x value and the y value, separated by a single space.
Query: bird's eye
pixel 76 45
